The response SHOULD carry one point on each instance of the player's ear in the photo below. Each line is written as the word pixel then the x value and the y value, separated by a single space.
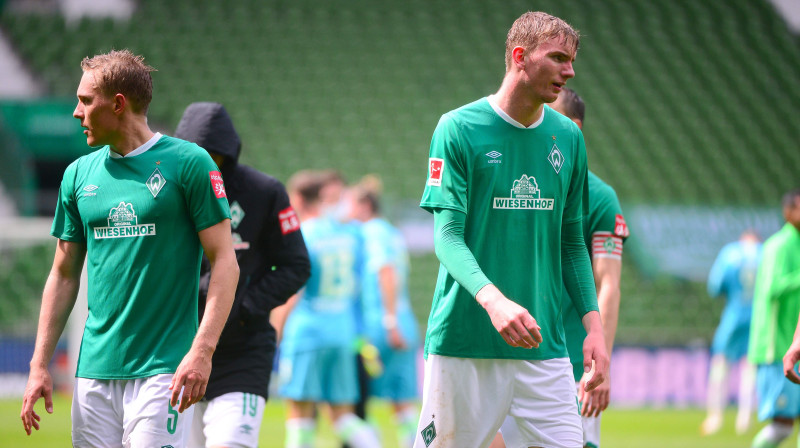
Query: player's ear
pixel 518 56
pixel 120 103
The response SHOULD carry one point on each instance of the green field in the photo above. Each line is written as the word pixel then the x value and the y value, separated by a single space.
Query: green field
pixel 654 428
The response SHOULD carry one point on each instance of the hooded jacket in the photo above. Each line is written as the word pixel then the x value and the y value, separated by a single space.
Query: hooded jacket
pixel 273 259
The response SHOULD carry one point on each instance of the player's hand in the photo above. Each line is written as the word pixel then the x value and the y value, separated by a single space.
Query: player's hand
pixel 595 359
pixel 395 339
pixel 595 401
pixel 191 378
pixel 40 385
pixel 514 323
pixel 789 363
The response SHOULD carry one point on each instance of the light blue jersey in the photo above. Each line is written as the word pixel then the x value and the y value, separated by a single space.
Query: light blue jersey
pixel 324 315
pixel 733 275
pixel 385 246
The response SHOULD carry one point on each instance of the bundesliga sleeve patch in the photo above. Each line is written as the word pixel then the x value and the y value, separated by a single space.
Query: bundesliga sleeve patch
pixel 289 221
pixel 606 245
pixel 217 185
pixel 435 168
pixel 620 227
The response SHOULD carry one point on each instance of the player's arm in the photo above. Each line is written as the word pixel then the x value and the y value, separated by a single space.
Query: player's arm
pixel 278 316
pixel 514 323
pixel 194 370
pixel 58 299
pixel 576 269
pixel 607 272
pixel 716 276
pixel 287 256
pixel 387 280
pixel 792 356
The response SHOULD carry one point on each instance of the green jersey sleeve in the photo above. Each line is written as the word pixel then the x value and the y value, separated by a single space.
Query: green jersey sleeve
pixel 67 224
pixel 575 264
pixel 447 169
pixel 204 188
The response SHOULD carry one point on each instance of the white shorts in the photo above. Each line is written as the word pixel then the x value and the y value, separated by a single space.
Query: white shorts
pixel 131 413
pixel 591 432
pixel 465 401
pixel 231 420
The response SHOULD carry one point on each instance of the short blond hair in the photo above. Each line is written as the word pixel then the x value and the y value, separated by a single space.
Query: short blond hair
pixel 533 28
pixel 123 72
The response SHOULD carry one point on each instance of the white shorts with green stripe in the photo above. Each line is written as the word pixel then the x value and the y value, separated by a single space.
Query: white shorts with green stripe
pixel 465 401
pixel 232 419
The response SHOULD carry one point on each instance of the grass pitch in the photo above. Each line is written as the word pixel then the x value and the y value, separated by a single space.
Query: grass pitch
pixel 622 428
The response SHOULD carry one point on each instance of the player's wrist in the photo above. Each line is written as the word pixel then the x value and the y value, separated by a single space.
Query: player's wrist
pixel 488 295
pixel 389 321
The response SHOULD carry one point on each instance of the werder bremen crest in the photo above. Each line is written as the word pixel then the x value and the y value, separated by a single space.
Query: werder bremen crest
pixel 155 182
pixel 556 158
pixel 237 214
pixel 428 434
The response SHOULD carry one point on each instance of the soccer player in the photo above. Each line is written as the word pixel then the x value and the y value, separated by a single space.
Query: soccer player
pixel 733 274
pixel 141 209
pixel 605 232
pixel 274 264
pixel 506 186
pixel 317 363
pixel 776 302
pixel 389 321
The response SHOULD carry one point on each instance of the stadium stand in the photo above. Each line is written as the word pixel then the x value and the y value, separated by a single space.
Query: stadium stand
pixel 688 102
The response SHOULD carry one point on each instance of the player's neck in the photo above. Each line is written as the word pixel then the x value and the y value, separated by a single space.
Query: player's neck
pixel 515 101
pixel 132 134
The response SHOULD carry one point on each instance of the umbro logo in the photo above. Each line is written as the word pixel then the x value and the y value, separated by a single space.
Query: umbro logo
pixel 493 156
pixel 89 189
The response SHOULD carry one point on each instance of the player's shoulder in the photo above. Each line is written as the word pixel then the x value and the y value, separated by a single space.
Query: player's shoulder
pixel 598 186
pixel 475 111
pixel 181 147
pixel 86 161
pixel 377 227
pixel 558 122
pixel 258 179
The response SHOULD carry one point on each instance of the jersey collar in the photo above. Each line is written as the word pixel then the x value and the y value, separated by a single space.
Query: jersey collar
pixel 511 121
pixel 140 150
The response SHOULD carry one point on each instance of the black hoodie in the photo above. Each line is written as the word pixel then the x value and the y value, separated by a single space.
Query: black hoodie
pixel 272 256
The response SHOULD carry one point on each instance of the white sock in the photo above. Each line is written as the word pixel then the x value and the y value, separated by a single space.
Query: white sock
pixel 772 435
pixel 717 396
pixel 356 432
pixel 300 432
pixel 407 421
pixel 746 395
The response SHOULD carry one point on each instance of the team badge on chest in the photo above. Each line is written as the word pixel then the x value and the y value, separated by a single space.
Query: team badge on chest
pixel 155 182
pixel 556 158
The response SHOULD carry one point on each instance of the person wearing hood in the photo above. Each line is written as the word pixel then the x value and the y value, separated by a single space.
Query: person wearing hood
pixel 274 264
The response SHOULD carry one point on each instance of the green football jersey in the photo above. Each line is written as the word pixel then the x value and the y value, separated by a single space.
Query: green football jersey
pixel 139 216
pixel 605 231
pixel 517 186
pixel 776 300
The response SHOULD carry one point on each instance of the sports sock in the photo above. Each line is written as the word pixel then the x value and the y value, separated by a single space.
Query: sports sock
pixel 407 421
pixel 746 397
pixel 717 377
pixel 356 432
pixel 300 433
pixel 772 435
pixel 717 397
